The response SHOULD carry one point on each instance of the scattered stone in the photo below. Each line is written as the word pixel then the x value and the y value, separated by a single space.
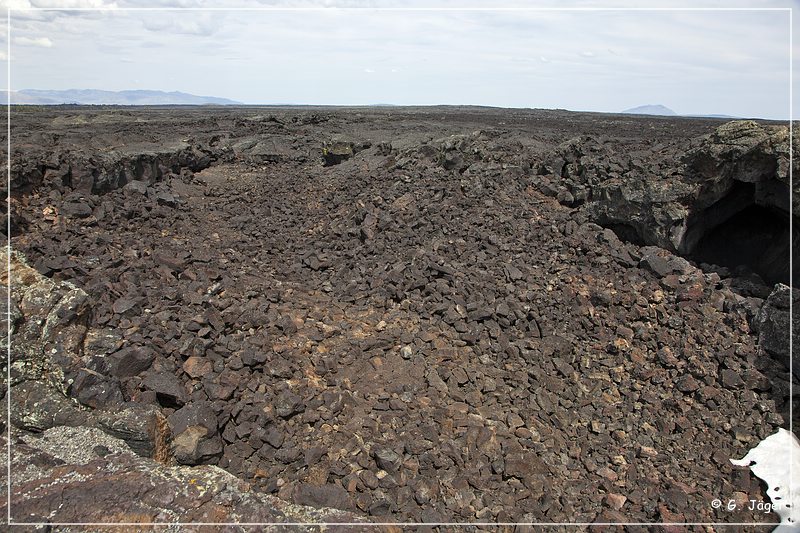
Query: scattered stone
pixel 168 388
pixel 130 361
pixel 137 187
pixel 289 404
pixel 615 501
pixel 387 459
pixel 194 434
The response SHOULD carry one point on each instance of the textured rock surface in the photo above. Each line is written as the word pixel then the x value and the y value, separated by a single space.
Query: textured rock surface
pixel 432 329
pixel 772 324
pixel 84 475
pixel 675 200
pixel 50 386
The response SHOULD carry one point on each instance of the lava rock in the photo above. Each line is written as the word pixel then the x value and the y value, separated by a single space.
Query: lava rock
pixel 130 361
pixel 329 495
pixel 136 187
pixel 194 434
pixel 289 404
pixel 387 459
pixel 95 390
pixel 772 324
pixel 168 388
pixel 334 152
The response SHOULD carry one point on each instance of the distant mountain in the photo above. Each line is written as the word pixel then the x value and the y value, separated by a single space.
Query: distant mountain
pixel 652 109
pixel 94 96
pixel 711 116
pixel 19 98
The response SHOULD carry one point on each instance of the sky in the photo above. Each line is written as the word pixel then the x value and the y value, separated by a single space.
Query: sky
pixel 352 52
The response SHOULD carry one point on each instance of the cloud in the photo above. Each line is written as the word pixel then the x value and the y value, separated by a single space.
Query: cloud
pixel 200 24
pixel 692 56
pixel 68 4
pixel 42 42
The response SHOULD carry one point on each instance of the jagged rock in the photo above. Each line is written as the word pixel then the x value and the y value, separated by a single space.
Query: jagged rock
pixel 194 434
pixel 772 324
pixel 197 367
pixel 95 390
pixel 387 459
pixel 289 404
pixel 745 151
pixel 48 332
pixel 37 406
pixel 135 186
pixel 663 263
pixel 102 342
pixel 165 198
pixel 168 388
pixel 273 149
pixel 334 152
pixel 77 207
pixel 130 361
pixel 141 427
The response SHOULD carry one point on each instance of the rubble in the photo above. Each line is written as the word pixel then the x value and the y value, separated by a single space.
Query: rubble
pixel 428 330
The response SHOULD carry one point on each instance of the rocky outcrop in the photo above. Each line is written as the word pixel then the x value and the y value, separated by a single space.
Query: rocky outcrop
pixel 101 172
pixel 730 187
pixel 747 152
pixel 773 326
pixel 49 335
pixel 269 149
pixel 742 171
pixel 52 355
pixel 83 475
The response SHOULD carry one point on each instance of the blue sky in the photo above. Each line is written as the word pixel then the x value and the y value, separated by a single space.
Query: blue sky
pixel 695 62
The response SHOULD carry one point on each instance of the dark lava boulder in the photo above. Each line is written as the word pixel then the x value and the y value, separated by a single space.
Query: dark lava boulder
pixel 194 434
pixel 772 324
pixel 334 152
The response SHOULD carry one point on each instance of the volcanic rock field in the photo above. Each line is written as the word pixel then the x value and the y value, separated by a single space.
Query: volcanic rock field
pixel 442 314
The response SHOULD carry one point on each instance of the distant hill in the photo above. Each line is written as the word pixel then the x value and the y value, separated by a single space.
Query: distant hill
pixel 20 98
pixel 652 109
pixel 94 96
pixel 711 116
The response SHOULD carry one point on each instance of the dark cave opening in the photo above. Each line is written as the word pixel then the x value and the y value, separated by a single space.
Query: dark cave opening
pixel 755 236
pixel 627 233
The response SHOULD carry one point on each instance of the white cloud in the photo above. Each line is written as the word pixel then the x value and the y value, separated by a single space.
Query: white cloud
pixel 14 4
pixel 201 24
pixel 42 42
pixel 67 4
pixel 686 60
